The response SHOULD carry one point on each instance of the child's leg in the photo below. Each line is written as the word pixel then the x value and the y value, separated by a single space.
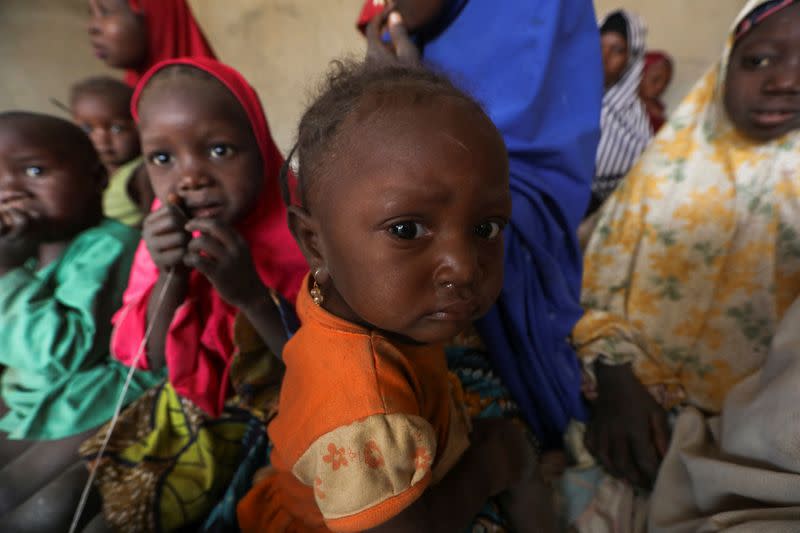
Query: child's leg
pixel 11 449
pixel 36 467
pixel 52 507
pixel 97 525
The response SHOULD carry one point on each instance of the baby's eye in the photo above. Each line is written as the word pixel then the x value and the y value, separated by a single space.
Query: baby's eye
pixel 34 171
pixel 87 129
pixel 489 230
pixel 219 151
pixel 407 230
pixel 160 159
pixel 755 62
pixel 116 129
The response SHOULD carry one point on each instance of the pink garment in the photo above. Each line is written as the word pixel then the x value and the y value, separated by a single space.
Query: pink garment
pixel 199 346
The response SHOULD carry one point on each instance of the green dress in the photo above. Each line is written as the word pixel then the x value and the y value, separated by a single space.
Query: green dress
pixel 60 378
pixel 117 203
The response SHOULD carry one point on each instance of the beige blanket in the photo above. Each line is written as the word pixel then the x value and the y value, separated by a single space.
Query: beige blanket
pixel 739 472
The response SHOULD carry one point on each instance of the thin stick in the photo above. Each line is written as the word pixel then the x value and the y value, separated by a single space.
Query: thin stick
pixel 92 474
pixel 62 106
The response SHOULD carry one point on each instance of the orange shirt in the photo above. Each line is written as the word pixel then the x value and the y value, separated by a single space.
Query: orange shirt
pixel 364 426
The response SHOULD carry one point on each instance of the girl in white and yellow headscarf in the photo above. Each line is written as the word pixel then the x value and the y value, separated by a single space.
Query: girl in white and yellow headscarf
pixel 696 257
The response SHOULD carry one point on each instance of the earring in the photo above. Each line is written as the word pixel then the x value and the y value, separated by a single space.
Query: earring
pixel 316 292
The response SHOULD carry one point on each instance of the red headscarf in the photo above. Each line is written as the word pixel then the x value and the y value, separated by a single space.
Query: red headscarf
pixel 371 9
pixel 656 56
pixel 172 32
pixel 651 58
pixel 199 346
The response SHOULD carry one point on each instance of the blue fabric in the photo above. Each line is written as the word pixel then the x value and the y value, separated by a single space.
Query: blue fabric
pixel 535 66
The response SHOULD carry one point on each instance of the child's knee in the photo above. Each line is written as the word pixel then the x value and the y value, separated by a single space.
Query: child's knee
pixel 52 507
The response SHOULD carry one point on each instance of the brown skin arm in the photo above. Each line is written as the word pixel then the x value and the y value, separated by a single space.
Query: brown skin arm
pixel 402 49
pixel 159 317
pixel 263 315
pixel 222 256
pixel 166 241
pixel 499 458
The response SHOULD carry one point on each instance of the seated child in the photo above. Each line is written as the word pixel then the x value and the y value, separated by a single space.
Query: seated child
pixel 656 77
pixel 215 246
pixel 135 35
pixel 101 106
pixel 59 383
pixel 403 187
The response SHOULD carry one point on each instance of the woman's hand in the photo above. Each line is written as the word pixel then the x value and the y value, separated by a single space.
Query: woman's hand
pixel 628 431
pixel 166 238
pixel 222 256
pixel 400 50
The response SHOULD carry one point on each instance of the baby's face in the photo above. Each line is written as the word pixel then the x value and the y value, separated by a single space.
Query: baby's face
pixel 762 89
pixel 56 190
pixel 109 126
pixel 412 222
pixel 198 145
pixel 655 80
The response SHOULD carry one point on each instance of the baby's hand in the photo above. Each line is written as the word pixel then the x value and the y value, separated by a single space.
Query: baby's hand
pixel 507 449
pixel 222 256
pixel 15 223
pixel 529 505
pixel 165 237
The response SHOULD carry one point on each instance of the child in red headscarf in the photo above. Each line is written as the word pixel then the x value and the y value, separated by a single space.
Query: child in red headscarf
pixel 656 78
pixel 136 34
pixel 216 255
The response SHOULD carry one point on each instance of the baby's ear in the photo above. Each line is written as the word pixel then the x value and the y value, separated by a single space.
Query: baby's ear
pixel 305 230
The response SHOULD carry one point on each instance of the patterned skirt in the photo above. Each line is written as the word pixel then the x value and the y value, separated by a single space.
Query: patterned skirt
pixel 167 463
pixel 170 467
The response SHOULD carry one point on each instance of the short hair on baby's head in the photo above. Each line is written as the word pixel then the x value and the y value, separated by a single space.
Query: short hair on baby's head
pixel 177 72
pixel 114 91
pixel 61 136
pixel 363 89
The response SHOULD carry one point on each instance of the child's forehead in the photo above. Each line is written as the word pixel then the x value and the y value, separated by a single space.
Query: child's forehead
pixel 109 102
pixel 394 142
pixel 65 145
pixel 409 116
pixel 205 96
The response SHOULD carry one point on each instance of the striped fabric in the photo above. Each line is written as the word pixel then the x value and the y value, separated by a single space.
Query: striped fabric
pixel 625 128
pixel 759 14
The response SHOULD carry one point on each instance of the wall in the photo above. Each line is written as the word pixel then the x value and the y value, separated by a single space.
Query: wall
pixel 283 46
pixel 43 48
pixel 692 31
pixel 287 46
